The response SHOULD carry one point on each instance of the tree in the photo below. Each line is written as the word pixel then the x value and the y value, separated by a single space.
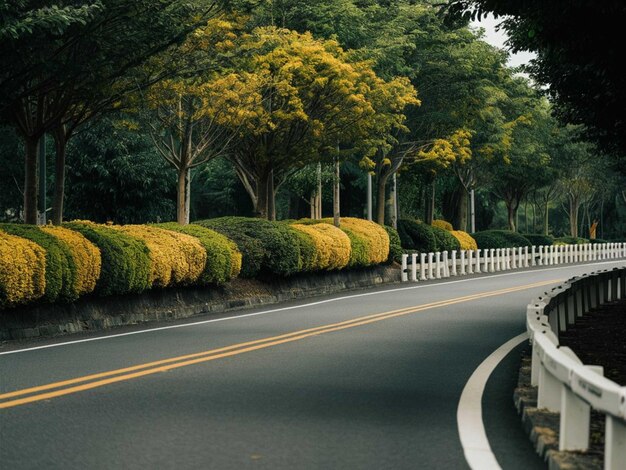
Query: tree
pixel 75 64
pixel 579 48
pixel 314 103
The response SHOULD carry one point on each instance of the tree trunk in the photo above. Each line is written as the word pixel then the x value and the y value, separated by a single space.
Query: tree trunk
pixel 181 196
pixel 380 198
pixel 546 227
pixel 510 207
pixel 313 204
pixel 573 217
pixel 260 210
pixel 271 197
pixel 30 180
pixel 336 195
pixel 459 220
pixel 429 213
pixel 60 146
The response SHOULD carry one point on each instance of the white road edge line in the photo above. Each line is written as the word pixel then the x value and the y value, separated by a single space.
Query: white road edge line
pixel 319 302
pixel 469 415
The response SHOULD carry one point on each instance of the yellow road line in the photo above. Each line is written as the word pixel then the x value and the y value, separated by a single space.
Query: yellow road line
pixel 164 365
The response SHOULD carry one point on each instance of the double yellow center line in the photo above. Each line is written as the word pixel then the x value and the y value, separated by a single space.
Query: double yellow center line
pixel 87 382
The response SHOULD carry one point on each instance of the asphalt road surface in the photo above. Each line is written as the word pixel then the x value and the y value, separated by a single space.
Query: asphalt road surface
pixel 370 380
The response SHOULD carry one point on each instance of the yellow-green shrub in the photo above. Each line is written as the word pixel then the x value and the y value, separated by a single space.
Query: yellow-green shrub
pixel 465 239
pixel 443 224
pixel 22 270
pixel 374 236
pixel 176 258
pixel 86 256
pixel 332 246
pixel 223 258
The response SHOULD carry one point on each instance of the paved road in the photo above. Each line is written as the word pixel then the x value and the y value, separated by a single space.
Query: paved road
pixel 366 381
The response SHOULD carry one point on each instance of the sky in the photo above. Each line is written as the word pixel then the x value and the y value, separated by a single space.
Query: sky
pixel 498 38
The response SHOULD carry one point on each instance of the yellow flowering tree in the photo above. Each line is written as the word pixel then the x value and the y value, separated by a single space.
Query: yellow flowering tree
pixel 315 102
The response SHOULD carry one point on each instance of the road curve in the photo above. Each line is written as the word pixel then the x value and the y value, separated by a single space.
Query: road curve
pixel 369 380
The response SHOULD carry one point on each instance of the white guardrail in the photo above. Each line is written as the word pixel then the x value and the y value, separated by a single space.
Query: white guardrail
pixel 443 264
pixel 567 386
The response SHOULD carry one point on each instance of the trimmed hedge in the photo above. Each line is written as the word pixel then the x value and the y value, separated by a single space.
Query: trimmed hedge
pixel 594 241
pixel 570 241
pixel 374 237
pixel 499 239
pixel 223 258
pixel 417 236
pixel 176 258
pixel 336 243
pixel 538 239
pixel 22 270
pixel 126 261
pixel 309 258
pixel 445 240
pixel 267 247
pixel 86 256
pixel 395 245
pixel 442 224
pixel 465 240
pixel 60 267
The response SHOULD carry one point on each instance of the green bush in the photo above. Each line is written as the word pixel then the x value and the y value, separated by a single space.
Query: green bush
pixel 445 240
pixel 598 240
pixel 308 252
pixel 267 247
pixel 395 245
pixel 219 263
pixel 60 272
pixel 359 253
pixel 570 241
pixel 417 236
pixel 125 260
pixel 499 239
pixel 538 239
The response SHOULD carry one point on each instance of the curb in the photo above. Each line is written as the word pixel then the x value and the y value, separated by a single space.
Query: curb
pixel 93 313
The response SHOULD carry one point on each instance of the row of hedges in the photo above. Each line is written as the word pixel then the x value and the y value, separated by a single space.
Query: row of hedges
pixel 61 264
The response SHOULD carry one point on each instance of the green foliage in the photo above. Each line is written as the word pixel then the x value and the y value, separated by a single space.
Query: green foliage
pixel 218 266
pixel 445 240
pixel 359 253
pixel 60 270
pixel 417 236
pixel 597 241
pixel 125 260
pixel 117 176
pixel 308 251
pixel 395 245
pixel 499 239
pixel 571 241
pixel 538 239
pixel 267 247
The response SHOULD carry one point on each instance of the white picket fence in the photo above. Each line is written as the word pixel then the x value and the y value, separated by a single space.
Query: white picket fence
pixel 426 266
pixel 567 386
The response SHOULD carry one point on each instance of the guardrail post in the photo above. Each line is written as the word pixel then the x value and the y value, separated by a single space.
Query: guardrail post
pixel 423 267
pixel 498 259
pixel 462 262
pixel 453 261
pixel 446 267
pixel 414 267
pixel 470 264
pixel 486 260
pixel 430 266
pixel 507 259
pixel 614 443
pixel 477 267
pixel 574 418
pixel 492 260
pixel 438 265
pixel 514 258
pixel 533 261
pixel 540 260
pixel 405 276
pixel 549 391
